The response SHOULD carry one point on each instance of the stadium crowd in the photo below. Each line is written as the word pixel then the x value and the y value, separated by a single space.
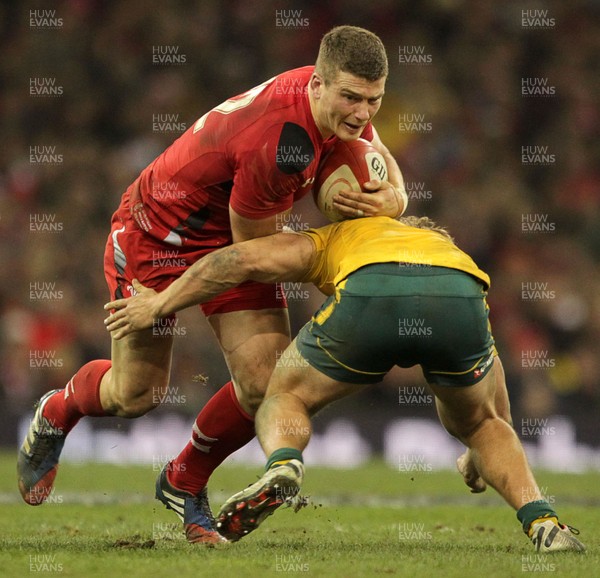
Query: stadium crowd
pixel 490 109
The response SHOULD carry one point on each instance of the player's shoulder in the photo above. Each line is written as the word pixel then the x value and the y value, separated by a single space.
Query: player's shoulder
pixel 279 113
pixel 287 89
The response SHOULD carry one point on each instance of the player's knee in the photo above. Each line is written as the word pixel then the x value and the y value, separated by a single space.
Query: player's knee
pixel 251 399
pixel 477 426
pixel 131 408
pixel 131 402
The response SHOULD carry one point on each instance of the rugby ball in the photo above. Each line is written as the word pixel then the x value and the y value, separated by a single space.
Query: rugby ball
pixel 347 165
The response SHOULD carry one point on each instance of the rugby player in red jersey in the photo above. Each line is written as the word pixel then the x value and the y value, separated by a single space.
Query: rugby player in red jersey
pixel 229 178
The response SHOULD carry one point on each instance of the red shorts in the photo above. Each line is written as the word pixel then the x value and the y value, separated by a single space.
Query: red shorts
pixel 133 254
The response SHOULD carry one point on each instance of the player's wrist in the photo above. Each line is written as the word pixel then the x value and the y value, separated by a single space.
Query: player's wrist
pixel 160 308
pixel 401 199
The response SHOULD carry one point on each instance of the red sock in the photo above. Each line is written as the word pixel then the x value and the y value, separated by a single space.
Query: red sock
pixel 221 428
pixel 80 397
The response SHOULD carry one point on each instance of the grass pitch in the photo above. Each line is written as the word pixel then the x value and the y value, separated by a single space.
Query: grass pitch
pixel 102 521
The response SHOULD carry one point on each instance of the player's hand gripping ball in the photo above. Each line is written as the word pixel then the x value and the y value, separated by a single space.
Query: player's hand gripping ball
pixel 347 165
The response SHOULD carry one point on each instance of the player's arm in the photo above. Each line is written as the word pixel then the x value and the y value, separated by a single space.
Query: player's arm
pixel 244 229
pixel 270 259
pixel 388 198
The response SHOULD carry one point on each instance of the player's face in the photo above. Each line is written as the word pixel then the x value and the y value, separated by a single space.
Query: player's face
pixel 346 104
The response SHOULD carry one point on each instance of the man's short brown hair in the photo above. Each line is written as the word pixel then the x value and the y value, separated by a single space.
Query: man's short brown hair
pixel 354 50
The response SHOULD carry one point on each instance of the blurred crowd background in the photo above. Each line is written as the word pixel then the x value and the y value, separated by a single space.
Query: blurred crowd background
pixel 529 216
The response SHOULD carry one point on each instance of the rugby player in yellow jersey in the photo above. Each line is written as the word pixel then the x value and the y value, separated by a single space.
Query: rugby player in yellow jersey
pixel 382 277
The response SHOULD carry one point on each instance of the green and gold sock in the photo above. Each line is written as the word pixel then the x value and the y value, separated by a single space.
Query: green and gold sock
pixel 282 456
pixel 533 511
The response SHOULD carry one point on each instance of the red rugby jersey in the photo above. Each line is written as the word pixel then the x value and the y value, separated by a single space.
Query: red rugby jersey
pixel 258 151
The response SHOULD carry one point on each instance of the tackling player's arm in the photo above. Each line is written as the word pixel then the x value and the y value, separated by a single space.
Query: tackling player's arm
pixel 270 259
pixel 389 197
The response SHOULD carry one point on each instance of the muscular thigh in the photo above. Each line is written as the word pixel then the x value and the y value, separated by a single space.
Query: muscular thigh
pixel 294 374
pixel 252 341
pixel 141 364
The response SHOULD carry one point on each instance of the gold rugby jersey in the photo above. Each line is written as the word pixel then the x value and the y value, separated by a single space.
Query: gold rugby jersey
pixel 346 246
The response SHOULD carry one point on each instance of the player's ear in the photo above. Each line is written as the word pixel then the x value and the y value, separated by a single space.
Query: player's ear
pixel 316 85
